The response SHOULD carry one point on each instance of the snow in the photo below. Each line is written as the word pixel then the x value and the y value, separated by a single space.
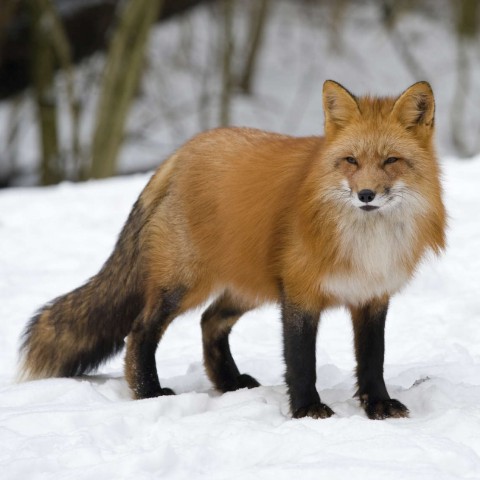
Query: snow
pixel 53 239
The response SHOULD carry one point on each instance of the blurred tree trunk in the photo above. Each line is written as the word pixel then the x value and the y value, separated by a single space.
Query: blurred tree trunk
pixel 257 27
pixel 50 49
pixel 466 27
pixel 122 72
pixel 390 11
pixel 336 24
pixel 467 14
pixel 7 11
pixel 43 69
pixel 63 55
pixel 228 7
pixel 10 153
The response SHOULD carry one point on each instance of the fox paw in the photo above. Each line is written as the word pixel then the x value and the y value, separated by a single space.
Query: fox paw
pixel 231 384
pixel 246 381
pixel 165 392
pixel 141 394
pixel 381 409
pixel 316 410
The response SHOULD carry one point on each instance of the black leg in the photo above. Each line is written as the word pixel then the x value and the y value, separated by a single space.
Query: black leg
pixel 299 336
pixel 217 322
pixel 140 365
pixel 369 329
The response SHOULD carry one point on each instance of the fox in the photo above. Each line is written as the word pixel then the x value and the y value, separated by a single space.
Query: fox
pixel 241 217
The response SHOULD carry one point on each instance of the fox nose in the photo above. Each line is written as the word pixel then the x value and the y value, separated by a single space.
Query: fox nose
pixel 366 196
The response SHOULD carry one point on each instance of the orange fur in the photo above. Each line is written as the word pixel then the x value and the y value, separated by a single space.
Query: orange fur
pixel 253 212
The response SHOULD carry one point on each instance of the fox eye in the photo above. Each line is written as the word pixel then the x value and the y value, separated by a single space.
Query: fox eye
pixel 351 160
pixel 390 160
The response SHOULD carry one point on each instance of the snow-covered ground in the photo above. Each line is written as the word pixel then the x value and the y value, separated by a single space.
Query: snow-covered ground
pixel 52 239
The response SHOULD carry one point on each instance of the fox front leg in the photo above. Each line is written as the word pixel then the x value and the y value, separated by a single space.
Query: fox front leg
pixel 369 330
pixel 299 336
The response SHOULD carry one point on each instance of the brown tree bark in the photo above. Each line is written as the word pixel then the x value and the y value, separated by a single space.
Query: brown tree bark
pixel 467 28
pixel 257 28
pixel 228 7
pixel 43 70
pixel 122 72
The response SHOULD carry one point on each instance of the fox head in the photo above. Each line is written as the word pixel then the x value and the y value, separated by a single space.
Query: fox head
pixel 380 150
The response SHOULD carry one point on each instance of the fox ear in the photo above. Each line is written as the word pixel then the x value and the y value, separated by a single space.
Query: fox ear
pixel 339 105
pixel 416 106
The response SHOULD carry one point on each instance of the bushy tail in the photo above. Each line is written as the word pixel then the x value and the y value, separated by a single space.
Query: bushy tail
pixel 78 331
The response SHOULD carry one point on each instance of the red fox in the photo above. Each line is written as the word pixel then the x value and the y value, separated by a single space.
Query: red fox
pixel 248 217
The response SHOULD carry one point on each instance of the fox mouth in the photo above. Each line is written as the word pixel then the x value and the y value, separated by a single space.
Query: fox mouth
pixel 369 208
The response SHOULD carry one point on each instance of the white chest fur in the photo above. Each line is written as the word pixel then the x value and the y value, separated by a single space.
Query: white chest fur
pixel 378 248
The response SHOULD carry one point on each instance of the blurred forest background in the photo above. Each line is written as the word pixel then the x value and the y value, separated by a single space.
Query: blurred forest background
pixel 95 88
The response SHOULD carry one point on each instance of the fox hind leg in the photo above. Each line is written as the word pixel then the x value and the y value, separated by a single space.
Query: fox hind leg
pixel 217 322
pixel 142 342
